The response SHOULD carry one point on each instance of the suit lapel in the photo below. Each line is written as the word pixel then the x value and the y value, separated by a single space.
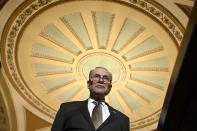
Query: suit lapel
pixel 85 113
pixel 110 118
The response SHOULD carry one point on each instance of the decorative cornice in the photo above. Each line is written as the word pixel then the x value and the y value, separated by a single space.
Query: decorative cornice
pixel 10 55
pixel 163 18
pixel 146 122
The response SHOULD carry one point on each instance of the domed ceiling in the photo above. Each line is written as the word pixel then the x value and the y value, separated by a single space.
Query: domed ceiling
pixel 49 47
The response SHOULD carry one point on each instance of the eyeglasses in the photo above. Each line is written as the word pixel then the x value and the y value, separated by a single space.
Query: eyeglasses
pixel 98 77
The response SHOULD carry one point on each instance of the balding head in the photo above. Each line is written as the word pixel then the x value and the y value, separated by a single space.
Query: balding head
pixel 110 74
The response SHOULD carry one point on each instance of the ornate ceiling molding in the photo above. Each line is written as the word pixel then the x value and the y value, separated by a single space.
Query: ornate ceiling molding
pixel 29 10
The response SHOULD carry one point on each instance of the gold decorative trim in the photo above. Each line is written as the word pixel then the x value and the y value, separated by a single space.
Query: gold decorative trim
pixel 169 14
pixel 163 18
pixel 153 118
pixel 10 52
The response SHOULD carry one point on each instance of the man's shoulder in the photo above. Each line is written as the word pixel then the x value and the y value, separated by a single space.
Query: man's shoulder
pixel 72 103
pixel 71 106
pixel 120 114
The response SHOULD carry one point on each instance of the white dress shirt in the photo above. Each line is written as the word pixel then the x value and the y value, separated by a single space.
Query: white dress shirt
pixel 105 109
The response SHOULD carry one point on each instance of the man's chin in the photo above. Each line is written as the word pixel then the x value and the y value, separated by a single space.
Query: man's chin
pixel 100 93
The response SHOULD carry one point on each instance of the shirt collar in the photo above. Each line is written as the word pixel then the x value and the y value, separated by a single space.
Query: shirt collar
pixel 90 100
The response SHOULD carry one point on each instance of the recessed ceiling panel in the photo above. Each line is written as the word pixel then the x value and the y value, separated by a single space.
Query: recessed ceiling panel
pixel 77 26
pixel 103 22
pixel 54 34
pixel 130 30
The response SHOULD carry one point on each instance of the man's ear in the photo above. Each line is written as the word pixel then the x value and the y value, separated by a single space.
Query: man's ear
pixel 89 83
pixel 110 85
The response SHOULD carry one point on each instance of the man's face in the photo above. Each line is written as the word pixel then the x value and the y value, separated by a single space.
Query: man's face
pixel 100 82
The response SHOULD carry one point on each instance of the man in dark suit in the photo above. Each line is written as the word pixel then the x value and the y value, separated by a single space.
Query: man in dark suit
pixel 92 114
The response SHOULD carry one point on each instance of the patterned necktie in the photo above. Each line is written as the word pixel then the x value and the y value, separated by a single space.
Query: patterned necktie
pixel 97 117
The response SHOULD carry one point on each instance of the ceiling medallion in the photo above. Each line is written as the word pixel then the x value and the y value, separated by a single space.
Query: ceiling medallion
pixel 101 59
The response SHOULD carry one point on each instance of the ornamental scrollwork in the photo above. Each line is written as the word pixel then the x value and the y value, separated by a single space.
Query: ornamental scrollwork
pixel 161 16
pixel 10 49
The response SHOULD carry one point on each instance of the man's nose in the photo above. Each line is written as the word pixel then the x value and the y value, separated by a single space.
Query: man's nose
pixel 101 80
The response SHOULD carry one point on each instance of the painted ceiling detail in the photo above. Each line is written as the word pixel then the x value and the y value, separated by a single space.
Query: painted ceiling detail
pixel 154 81
pixel 75 23
pixel 46 69
pixel 58 82
pixel 142 92
pixel 103 22
pixel 52 33
pixel 114 101
pixel 130 100
pixel 129 31
pixel 159 15
pixel 148 46
pixel 159 64
pixel 48 55
pixel 68 94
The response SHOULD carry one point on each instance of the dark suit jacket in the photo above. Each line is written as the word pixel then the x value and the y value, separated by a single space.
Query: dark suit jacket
pixel 74 116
